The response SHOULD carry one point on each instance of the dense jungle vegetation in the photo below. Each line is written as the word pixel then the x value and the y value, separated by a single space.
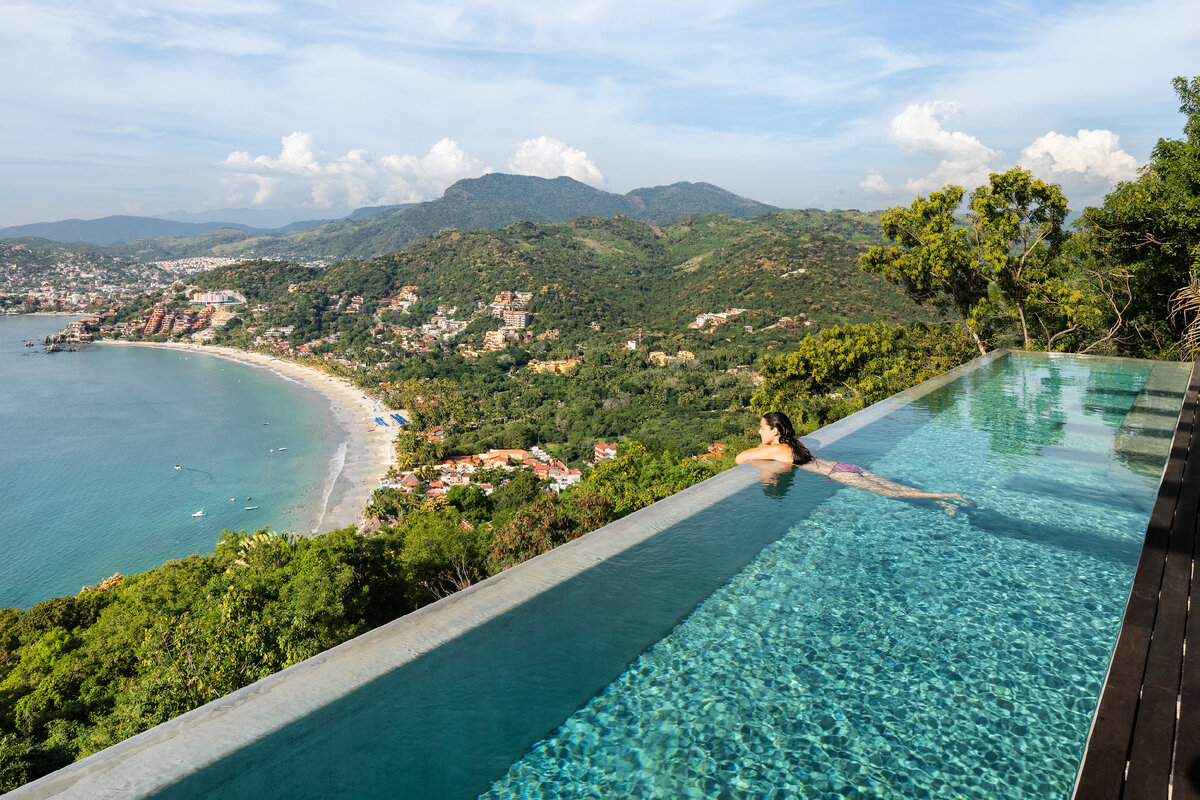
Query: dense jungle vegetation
pixel 1004 270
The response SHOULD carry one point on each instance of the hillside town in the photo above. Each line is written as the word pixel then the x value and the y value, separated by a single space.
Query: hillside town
pixel 461 471
pixel 35 279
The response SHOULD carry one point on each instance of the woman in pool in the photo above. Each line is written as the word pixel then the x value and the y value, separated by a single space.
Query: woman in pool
pixel 779 443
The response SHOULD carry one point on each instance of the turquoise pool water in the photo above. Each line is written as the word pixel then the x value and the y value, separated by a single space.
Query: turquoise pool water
pixel 881 648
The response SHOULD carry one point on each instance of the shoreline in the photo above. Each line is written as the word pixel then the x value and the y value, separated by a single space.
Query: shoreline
pixel 80 314
pixel 368 453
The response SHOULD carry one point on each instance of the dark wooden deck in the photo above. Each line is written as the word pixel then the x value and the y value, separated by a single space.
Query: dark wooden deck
pixel 1145 739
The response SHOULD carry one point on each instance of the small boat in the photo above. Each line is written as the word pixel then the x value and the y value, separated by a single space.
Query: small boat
pixel 282 449
pixel 200 513
pixel 251 508
pixel 178 467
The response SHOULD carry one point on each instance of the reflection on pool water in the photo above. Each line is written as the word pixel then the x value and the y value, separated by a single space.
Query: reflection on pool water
pixel 883 648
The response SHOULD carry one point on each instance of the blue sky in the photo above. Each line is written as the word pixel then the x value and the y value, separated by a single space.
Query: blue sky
pixel 143 107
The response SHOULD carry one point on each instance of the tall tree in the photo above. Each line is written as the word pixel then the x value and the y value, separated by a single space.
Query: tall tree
pixel 1151 227
pixel 1018 220
pixel 934 259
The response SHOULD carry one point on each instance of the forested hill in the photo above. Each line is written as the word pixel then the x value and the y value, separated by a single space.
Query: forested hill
pixel 121 228
pixel 616 272
pixel 492 201
pixel 495 201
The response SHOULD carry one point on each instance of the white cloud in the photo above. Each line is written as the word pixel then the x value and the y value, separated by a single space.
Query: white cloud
pixel 965 159
pixel 919 128
pixel 549 158
pixel 1092 154
pixel 962 173
pixel 304 176
pixel 874 182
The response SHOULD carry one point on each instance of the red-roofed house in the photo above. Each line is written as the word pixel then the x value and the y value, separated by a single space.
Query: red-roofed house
pixel 603 451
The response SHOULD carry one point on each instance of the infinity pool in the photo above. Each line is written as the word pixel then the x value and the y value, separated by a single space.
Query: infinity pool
pixel 881 648
pixel 766 633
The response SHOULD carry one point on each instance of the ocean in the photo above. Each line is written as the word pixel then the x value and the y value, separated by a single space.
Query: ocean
pixel 90 442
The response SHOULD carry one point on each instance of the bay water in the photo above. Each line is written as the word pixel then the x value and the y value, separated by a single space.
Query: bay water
pixel 106 454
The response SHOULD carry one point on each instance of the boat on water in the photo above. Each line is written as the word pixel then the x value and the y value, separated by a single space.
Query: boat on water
pixel 200 513
pixel 251 508
pixel 282 449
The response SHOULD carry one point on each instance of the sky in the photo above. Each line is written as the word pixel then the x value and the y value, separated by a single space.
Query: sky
pixel 149 106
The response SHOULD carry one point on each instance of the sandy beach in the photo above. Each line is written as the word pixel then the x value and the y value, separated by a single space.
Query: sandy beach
pixel 369 450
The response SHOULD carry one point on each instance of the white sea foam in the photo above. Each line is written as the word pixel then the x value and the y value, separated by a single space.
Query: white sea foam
pixel 336 464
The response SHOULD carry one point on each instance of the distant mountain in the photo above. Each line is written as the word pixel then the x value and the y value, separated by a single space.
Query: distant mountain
pixel 267 219
pixel 109 230
pixel 661 205
pixel 495 201
pixel 370 211
pixel 279 220
pixel 486 203
pixel 123 229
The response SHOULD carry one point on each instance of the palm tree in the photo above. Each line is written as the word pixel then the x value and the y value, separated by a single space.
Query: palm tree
pixel 1185 303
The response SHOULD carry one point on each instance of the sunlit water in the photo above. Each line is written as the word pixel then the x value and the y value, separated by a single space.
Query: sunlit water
pixel 90 441
pixel 882 648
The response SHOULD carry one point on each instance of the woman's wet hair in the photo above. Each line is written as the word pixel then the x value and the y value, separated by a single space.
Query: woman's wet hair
pixel 787 435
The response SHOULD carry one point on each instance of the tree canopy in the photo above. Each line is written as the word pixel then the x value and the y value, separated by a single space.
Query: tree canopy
pixel 1150 227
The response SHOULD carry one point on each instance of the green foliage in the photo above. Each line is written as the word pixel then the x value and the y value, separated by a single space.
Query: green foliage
pixel 520 490
pixel 1150 229
pixel 471 502
pixel 934 259
pixel 1010 271
pixel 80 673
pixel 1018 220
pixel 258 281
pixel 639 476
pixel 441 554
pixel 616 271
pixel 841 370
pixel 545 524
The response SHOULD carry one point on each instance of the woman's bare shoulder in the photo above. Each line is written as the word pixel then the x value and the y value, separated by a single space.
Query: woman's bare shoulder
pixel 766 452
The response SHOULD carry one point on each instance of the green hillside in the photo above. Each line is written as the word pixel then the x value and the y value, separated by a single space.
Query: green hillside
pixel 617 272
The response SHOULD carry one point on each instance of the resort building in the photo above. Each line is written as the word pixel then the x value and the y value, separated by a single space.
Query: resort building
pixel 516 319
pixel 223 297
pixel 494 340
pixel 602 452
pixel 560 366
pixel 154 323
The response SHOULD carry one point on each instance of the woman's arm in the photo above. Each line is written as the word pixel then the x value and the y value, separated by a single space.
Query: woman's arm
pixel 765 452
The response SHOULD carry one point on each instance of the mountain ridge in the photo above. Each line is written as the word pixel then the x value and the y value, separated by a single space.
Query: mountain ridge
pixel 485 203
